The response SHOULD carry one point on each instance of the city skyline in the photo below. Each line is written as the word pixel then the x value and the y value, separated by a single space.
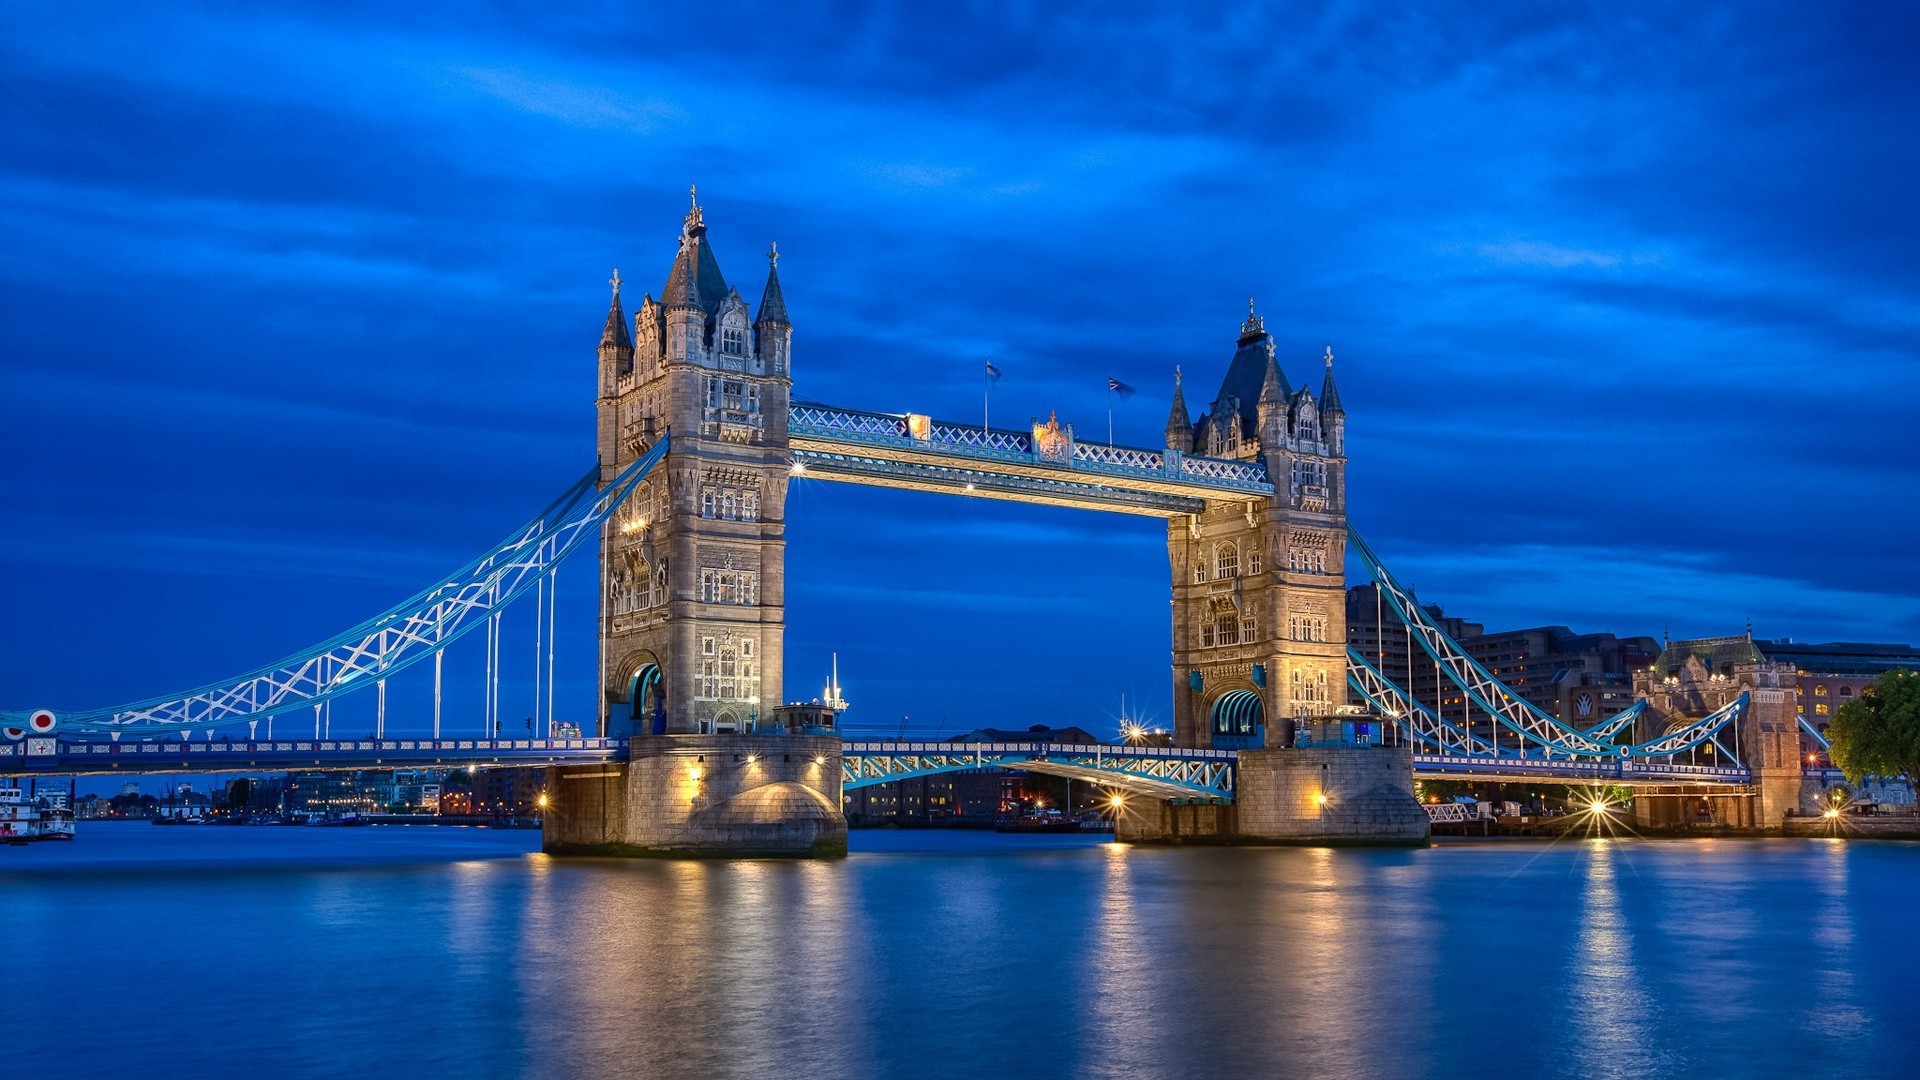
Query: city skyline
pixel 304 315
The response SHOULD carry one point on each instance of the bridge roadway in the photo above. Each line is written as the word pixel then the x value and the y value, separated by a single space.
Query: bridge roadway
pixel 1155 771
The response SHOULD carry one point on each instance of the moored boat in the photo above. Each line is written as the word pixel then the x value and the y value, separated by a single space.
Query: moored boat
pixel 26 818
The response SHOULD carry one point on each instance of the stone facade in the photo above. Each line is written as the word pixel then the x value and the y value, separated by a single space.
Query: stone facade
pixel 1259 584
pixel 697 795
pixel 1693 678
pixel 692 568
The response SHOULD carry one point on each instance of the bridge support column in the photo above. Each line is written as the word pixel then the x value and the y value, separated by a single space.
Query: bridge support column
pixel 703 796
pixel 1360 795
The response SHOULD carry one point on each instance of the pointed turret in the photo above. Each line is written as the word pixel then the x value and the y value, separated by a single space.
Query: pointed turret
pixel 616 344
pixel 773 305
pixel 1272 386
pixel 1179 425
pixel 695 280
pixel 615 332
pixel 1329 393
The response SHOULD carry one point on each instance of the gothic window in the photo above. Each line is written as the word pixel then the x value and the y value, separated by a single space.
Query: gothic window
pixel 1253 560
pixel 1247 629
pixel 729 586
pixel 733 341
pixel 1226 628
pixel 729 507
pixel 707 500
pixel 750 506
pixel 1200 570
pixel 1206 635
pixel 1307 627
pixel 1226 561
pixel 706 646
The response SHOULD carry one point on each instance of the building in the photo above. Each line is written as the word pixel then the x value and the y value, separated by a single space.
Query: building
pixel 508 794
pixel 1822 677
pixel 1580 678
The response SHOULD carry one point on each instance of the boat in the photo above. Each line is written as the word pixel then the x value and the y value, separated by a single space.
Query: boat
pixel 26 818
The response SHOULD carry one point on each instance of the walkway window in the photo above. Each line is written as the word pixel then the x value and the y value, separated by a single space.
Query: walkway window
pixel 1226 561
pixel 1846 691
pixel 1820 709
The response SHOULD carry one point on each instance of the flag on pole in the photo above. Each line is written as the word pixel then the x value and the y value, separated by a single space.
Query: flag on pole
pixel 993 373
pixel 1116 386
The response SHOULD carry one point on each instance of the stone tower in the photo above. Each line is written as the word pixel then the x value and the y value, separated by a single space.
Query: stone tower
pixel 692 567
pixel 1693 678
pixel 1259 584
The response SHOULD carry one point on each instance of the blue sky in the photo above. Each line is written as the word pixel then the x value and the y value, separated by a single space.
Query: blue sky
pixel 300 305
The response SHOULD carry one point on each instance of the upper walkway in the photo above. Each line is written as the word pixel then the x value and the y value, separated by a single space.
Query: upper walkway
pixel 1045 465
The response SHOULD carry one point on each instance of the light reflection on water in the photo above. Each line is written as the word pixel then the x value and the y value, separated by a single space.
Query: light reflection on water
pixel 227 951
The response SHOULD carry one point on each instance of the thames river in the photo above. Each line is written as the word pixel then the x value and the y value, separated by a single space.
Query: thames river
pixel 392 952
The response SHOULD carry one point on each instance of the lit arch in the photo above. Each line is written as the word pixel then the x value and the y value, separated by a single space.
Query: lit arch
pixel 1237 712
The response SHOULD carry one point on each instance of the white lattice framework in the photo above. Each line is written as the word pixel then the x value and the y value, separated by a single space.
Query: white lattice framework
pixel 393 640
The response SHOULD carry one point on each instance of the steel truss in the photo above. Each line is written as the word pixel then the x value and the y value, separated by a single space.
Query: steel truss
pixel 404 634
pixel 1158 771
pixel 1535 726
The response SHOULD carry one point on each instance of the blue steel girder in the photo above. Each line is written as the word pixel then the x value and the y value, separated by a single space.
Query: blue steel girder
pixel 934 455
pixel 1156 771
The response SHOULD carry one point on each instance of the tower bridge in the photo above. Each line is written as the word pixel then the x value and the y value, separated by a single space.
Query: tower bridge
pixel 698 439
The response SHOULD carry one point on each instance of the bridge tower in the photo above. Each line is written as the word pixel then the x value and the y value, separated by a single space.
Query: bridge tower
pixel 692 581
pixel 1259 585
pixel 692 569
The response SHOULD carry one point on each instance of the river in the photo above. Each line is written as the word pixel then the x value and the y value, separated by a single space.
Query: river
pixel 442 952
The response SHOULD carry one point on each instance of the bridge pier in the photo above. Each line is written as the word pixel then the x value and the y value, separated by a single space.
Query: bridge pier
pixel 1336 795
pixel 702 796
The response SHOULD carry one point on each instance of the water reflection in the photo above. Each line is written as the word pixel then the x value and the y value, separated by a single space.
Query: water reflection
pixel 968 955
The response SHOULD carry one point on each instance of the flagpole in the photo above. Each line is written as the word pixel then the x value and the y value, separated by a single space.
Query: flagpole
pixel 986 398
pixel 1109 412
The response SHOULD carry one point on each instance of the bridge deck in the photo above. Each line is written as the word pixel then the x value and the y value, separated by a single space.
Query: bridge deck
pixel 72 757
pixel 920 453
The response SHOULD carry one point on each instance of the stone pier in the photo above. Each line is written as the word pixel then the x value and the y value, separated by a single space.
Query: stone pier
pixel 702 796
pixel 1343 795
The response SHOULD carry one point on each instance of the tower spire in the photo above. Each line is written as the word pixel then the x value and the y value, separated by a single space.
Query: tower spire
pixel 615 334
pixel 773 304
pixel 1179 424
pixel 1329 393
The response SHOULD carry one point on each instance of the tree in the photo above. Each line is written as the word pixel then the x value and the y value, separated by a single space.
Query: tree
pixel 1878 733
